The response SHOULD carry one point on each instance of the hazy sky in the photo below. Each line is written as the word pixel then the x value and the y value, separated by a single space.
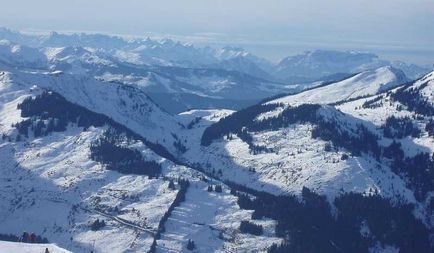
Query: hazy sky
pixel 397 29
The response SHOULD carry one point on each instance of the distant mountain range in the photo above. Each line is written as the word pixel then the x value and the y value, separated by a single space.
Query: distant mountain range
pixel 181 76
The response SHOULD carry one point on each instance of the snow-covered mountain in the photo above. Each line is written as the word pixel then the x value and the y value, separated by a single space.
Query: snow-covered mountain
pixel 364 84
pixel 378 145
pixel 148 51
pixel 60 179
pixel 327 156
pixel 172 73
pixel 325 104
pixel 91 161
pixel 13 55
pixel 314 65
pixel 175 88
pixel 180 76
pixel 308 66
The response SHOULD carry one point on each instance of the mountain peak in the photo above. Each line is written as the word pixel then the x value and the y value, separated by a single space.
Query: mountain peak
pixel 366 83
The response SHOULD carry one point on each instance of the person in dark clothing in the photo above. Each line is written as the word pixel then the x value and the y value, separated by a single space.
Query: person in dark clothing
pixel 46 250
pixel 32 238
pixel 25 237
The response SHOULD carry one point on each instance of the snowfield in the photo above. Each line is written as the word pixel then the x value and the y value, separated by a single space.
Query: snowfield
pixel 297 161
pixel 212 221
pixel 14 247
pixel 363 84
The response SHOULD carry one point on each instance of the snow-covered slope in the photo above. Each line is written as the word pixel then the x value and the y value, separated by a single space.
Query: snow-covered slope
pixel 127 105
pixel 363 84
pixel 21 56
pixel 52 185
pixel 296 160
pixel 313 65
pixel 14 247
pixel 54 188
pixel 256 148
pixel 208 218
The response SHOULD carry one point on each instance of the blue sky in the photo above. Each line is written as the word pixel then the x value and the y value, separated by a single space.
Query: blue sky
pixel 396 29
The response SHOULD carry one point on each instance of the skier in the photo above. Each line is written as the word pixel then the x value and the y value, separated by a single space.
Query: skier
pixel 46 250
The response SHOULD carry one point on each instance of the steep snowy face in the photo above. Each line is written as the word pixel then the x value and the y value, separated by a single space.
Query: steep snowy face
pixel 363 84
pixel 425 86
pixel 21 56
pixel 128 105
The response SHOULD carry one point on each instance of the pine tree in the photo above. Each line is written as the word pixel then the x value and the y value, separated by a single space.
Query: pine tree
pixel 218 188
pixel 190 245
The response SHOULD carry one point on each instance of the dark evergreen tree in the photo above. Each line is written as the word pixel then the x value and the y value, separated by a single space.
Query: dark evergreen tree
pixel 430 128
pixel 400 128
pixel 97 225
pixel 190 245
pixel 251 228
pixel 218 188
pixel 209 189
pixel 394 151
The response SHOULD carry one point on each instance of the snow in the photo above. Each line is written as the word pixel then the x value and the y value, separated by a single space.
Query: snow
pixel 212 221
pixel 298 161
pixel 315 65
pixel 50 186
pixel 127 105
pixel 22 56
pixel 428 91
pixel 205 115
pixel 60 192
pixel 15 247
pixel 363 84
